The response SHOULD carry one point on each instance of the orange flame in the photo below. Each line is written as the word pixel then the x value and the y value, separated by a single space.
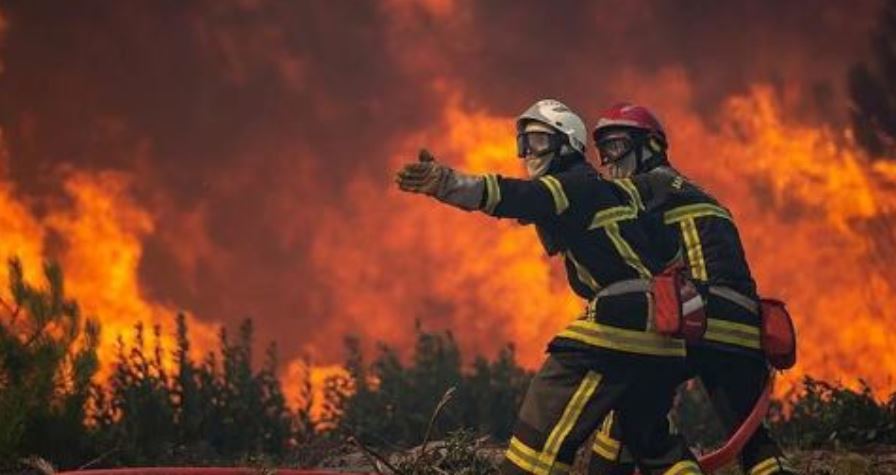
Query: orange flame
pixel 101 234
pixel 815 215
pixel 821 236
pixel 813 212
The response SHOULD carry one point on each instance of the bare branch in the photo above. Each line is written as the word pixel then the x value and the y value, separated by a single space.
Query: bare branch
pixel 39 464
pixel 446 398
pixel 98 459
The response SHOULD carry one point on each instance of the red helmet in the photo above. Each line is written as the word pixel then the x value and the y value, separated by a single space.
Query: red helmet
pixel 630 115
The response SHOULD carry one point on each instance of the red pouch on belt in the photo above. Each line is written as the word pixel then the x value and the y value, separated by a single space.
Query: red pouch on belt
pixel 778 335
pixel 678 308
pixel 667 302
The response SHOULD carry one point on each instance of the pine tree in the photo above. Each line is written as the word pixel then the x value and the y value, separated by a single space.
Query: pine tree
pixel 305 426
pixel 138 419
pixel 274 419
pixel 389 403
pixel 871 89
pixel 47 359
pixel 241 401
pixel 188 404
pixel 496 392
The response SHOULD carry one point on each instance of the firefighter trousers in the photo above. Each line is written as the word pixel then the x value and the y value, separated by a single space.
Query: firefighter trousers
pixel 733 382
pixel 569 397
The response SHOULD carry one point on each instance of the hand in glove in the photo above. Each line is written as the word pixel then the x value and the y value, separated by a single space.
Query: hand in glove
pixel 425 176
pixel 428 177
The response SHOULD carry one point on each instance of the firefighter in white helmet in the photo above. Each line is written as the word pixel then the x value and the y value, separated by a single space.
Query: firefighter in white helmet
pixel 610 358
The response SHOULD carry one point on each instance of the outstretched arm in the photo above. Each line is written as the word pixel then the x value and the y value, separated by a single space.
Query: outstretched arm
pixel 443 183
pixel 529 200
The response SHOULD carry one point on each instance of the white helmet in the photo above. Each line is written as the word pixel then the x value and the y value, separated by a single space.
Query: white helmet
pixel 559 117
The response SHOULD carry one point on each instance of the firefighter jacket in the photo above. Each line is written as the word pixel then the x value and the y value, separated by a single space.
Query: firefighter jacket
pixel 694 226
pixel 594 224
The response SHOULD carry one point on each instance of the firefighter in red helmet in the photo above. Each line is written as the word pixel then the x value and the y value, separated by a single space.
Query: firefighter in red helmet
pixel 696 229
pixel 609 358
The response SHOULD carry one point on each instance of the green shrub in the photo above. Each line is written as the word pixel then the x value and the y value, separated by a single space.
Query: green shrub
pixel 388 404
pixel 829 415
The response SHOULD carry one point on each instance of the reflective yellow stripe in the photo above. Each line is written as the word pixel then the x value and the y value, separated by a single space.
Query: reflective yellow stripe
pixel 609 220
pixel 770 465
pixel 528 460
pixel 611 215
pixel 607 425
pixel 764 467
pixel 733 333
pixel 606 446
pixel 570 416
pixel 685 215
pixel 620 339
pixel 686 212
pixel 556 189
pixel 492 193
pixel 629 187
pixel 523 449
pixel 582 273
pixel 694 249
pixel 685 467
pixel 525 458
pixel 626 251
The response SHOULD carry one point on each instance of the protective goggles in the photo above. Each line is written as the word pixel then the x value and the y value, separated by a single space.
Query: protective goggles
pixel 537 144
pixel 614 146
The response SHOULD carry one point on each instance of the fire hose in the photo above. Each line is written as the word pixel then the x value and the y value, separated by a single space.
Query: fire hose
pixel 199 471
pixel 715 460
pixel 710 462
pixel 727 453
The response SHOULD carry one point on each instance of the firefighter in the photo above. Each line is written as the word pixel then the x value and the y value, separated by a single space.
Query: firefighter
pixel 632 144
pixel 608 358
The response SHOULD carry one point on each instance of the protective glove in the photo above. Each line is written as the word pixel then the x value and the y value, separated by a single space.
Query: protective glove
pixel 443 183
pixel 426 176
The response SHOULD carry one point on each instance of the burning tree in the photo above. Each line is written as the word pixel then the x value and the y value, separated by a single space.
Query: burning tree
pixel 871 90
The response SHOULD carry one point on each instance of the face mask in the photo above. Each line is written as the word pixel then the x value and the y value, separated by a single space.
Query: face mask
pixel 624 167
pixel 535 146
pixel 538 166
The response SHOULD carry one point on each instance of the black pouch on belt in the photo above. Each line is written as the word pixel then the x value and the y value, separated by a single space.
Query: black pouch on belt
pixel 679 310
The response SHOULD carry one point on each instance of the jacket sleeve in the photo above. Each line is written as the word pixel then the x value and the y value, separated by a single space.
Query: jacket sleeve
pixel 529 200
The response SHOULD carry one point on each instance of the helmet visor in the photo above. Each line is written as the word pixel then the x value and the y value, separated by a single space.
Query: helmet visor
pixel 614 147
pixel 535 144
